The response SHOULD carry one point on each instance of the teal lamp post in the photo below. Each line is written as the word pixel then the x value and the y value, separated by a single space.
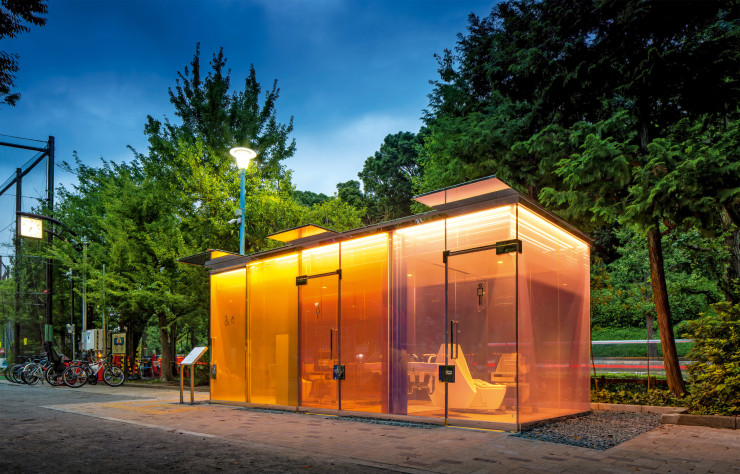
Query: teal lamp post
pixel 242 156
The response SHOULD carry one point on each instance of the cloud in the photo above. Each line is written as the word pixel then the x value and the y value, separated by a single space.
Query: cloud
pixel 335 155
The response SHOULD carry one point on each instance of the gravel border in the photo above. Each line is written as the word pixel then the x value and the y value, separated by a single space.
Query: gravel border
pixel 596 430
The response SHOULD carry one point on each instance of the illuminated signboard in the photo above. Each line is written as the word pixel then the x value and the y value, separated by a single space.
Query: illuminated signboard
pixel 31 228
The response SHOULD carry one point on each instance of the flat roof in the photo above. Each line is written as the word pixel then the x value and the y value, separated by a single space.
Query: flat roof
pixel 300 232
pixel 466 197
pixel 459 192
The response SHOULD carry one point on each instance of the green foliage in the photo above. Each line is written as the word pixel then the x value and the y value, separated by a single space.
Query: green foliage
pixel 715 376
pixel 621 291
pixel 388 176
pixel 655 397
pixel 350 192
pixel 176 200
pixel 309 198
pixel 15 16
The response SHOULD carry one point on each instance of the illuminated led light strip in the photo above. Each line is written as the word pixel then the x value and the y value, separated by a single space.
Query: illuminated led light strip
pixel 318 251
pixel 556 230
pixel 422 229
pixel 365 241
pixel 224 274
pixel 273 260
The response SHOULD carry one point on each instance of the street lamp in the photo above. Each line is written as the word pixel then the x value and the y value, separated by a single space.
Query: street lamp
pixel 242 156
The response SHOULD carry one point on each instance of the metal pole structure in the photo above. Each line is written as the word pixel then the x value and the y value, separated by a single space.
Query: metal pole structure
pixel 105 329
pixel 49 326
pixel 72 309
pixel 84 285
pixel 241 218
pixel 16 264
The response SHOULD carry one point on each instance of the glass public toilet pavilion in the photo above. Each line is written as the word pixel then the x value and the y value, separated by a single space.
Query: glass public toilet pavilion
pixel 473 314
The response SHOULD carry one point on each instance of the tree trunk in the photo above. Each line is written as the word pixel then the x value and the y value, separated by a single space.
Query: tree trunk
pixel 165 365
pixel 652 348
pixel 662 308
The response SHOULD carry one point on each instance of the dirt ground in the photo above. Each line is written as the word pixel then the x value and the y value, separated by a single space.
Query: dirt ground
pixel 36 439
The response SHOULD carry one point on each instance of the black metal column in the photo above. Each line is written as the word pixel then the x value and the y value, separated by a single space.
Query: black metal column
pixel 16 264
pixel 49 328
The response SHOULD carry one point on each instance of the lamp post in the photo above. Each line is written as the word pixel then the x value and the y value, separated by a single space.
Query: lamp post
pixel 242 156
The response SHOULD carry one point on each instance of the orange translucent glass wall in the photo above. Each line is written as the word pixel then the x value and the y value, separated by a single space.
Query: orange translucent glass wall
pixel 364 324
pixel 320 260
pixel 318 323
pixel 553 320
pixel 417 319
pixel 228 331
pixel 273 331
pixel 419 330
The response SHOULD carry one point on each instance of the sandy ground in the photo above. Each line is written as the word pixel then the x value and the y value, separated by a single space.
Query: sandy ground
pixel 36 439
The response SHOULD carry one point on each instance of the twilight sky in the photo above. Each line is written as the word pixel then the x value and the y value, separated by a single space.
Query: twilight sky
pixel 350 72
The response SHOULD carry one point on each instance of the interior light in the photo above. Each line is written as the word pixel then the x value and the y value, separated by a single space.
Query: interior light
pixel 409 275
pixel 500 261
pixel 243 156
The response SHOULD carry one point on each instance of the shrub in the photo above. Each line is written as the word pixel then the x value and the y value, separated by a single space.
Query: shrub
pixel 654 397
pixel 715 376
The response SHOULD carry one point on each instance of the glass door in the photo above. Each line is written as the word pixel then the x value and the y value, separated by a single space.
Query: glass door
pixel 480 327
pixel 318 340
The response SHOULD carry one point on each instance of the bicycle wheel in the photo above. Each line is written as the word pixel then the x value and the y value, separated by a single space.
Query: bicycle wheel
pixel 31 374
pixel 75 376
pixel 16 373
pixel 55 379
pixel 8 373
pixel 113 376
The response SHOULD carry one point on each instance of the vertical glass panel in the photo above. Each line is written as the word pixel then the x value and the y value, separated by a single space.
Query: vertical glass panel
pixel 228 331
pixel 320 260
pixel 273 331
pixel 364 324
pixel 417 320
pixel 481 302
pixel 553 320
pixel 318 342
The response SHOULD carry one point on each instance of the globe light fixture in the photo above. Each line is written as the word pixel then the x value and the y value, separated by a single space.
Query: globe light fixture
pixel 242 156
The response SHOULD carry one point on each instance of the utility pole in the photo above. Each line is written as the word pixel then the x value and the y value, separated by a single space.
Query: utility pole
pixel 84 284
pixel 16 266
pixel 49 323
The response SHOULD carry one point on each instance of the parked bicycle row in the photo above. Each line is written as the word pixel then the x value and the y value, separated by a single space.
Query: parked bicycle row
pixel 57 370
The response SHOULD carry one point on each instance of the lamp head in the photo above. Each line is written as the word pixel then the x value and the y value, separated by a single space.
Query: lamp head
pixel 242 156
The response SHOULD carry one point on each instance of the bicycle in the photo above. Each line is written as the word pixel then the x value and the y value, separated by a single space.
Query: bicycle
pixel 85 371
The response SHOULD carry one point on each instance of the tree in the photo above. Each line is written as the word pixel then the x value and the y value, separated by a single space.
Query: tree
pixel 599 83
pixel 15 15
pixel 350 192
pixel 388 176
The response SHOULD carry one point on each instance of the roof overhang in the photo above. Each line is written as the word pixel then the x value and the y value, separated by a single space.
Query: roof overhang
pixel 215 260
